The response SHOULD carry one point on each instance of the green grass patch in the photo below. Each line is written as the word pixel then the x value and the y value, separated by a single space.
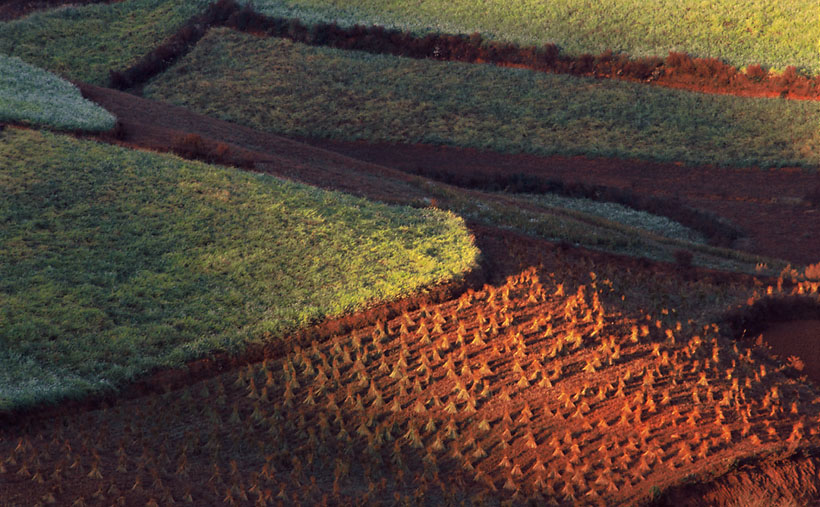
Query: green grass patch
pixel 32 95
pixel 741 32
pixel 283 87
pixel 549 219
pixel 114 262
pixel 84 43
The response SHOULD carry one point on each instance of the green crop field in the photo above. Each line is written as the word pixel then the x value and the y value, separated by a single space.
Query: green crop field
pixel 279 86
pixel 84 43
pixel 32 95
pixel 114 262
pixel 741 32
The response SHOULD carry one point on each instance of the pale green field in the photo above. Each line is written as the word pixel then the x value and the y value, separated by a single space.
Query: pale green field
pixel 32 95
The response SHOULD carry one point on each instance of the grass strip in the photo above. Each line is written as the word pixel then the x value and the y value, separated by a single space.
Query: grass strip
pixel 280 86
pixel 115 262
pixel 773 34
pixel 615 212
pixel 32 95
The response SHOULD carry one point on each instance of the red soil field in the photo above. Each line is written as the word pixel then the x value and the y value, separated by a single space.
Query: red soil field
pixel 537 389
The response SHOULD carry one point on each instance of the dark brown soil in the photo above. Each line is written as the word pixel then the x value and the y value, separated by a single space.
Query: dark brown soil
pixel 799 339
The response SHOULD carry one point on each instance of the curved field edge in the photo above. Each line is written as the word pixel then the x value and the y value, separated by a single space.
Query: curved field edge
pixel 618 213
pixel 308 91
pixel 85 43
pixel 35 96
pixel 116 262
pixel 740 33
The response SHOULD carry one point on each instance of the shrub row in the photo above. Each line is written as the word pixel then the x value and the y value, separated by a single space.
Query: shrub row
pixel 716 231
pixel 462 48
pixel 710 74
pixel 676 70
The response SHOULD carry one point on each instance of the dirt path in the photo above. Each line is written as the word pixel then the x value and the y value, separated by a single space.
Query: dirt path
pixel 769 205
pixel 162 127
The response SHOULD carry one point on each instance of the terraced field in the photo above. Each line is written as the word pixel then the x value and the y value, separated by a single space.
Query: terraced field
pixel 547 287
pixel 741 32
pixel 277 86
